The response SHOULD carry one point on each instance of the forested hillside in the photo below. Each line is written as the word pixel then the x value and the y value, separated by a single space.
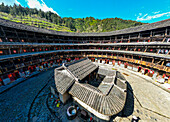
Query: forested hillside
pixel 52 21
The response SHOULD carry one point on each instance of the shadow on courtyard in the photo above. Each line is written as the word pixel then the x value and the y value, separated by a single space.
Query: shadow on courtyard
pixel 129 105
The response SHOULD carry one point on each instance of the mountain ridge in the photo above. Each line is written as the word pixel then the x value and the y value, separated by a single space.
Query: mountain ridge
pixel 52 21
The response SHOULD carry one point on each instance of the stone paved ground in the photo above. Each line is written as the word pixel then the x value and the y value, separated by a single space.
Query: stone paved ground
pixel 146 100
pixel 40 111
pixel 15 103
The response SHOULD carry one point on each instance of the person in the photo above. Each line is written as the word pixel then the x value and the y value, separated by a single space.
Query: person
pixel 135 119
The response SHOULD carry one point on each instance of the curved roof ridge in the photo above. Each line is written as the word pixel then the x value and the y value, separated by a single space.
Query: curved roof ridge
pixel 160 24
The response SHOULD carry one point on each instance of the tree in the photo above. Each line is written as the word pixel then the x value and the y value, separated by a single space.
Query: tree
pixel 88 24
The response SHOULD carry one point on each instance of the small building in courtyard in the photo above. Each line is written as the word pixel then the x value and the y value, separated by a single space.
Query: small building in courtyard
pixel 99 91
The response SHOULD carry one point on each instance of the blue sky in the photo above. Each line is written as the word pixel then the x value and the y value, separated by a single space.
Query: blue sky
pixel 139 10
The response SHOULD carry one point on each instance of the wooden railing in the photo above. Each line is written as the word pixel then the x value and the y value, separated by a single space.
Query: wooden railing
pixel 145 63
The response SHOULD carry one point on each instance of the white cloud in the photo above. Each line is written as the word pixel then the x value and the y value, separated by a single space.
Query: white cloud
pixel 9 2
pixel 150 17
pixel 38 5
pixel 156 12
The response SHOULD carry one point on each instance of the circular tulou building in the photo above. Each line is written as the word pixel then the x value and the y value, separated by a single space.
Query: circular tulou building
pixel 25 49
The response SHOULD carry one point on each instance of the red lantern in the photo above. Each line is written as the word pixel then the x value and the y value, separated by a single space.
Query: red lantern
pixel 14 51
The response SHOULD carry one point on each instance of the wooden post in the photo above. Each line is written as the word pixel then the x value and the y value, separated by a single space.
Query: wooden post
pixel 145 50
pixel 139 35
pixel 166 31
pixel 17 36
pixel 162 63
pixel 152 60
pixel 115 38
pixel 26 35
pixel 151 34
pixel 4 34
pixel 168 52
pixel 164 39
pixel 9 51
pixel 20 50
pixel 129 39
pixel 135 49
pixel 122 39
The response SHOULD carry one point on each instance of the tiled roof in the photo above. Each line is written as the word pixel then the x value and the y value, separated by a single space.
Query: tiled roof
pixel 145 27
pixel 108 98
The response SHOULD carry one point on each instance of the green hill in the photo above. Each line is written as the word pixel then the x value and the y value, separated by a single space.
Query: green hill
pixel 52 21
pixel 34 21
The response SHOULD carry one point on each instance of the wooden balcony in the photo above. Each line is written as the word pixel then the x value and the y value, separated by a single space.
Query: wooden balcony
pixel 145 63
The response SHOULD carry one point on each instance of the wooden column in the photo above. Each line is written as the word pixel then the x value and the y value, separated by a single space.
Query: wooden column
pixel 17 36
pixel 166 31
pixel 162 63
pixel 151 34
pixel 129 39
pixel 139 35
pixel 4 34
pixel 115 38
pixel 152 60
pixel 9 51
pixel 122 39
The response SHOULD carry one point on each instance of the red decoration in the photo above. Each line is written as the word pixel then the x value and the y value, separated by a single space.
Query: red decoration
pixel 15 51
